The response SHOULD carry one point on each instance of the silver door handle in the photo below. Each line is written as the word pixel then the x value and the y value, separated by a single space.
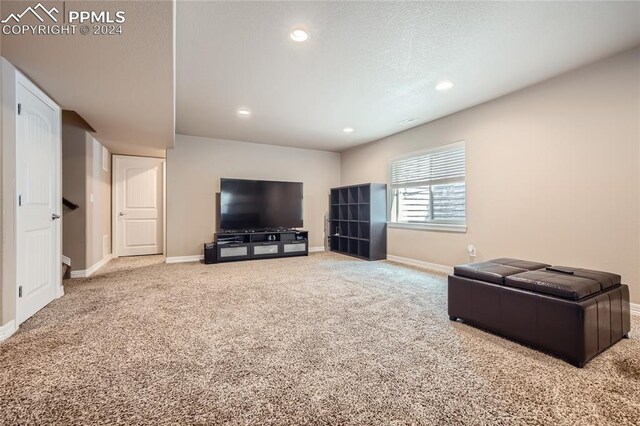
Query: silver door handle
pixel 55 216
pixel 121 214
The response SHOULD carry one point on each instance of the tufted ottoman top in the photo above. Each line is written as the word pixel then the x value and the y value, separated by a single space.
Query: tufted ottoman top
pixel 564 282
pixel 495 271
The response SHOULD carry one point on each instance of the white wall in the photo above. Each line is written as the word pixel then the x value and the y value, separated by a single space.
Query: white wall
pixel 84 229
pixel 194 169
pixel 552 173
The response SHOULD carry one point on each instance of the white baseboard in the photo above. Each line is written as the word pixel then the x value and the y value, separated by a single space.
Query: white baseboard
pixel 635 308
pixel 86 273
pixel 183 259
pixel 66 260
pixel 7 330
pixel 421 264
pixel 316 249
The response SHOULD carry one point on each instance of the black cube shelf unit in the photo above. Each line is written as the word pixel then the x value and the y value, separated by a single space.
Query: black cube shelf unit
pixel 358 218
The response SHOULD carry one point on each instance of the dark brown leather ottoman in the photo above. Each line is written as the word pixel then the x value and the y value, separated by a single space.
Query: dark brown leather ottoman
pixel 570 312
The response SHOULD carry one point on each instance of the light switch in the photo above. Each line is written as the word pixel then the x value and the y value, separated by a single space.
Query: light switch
pixel 91 198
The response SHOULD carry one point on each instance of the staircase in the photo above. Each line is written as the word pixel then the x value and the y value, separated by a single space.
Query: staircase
pixel 66 262
pixel 66 267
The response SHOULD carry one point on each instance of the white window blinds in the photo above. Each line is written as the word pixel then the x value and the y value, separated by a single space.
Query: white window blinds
pixel 429 187
pixel 438 166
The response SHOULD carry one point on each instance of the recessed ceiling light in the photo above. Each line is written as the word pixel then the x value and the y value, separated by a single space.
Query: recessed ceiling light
pixel 444 85
pixel 299 36
pixel 244 112
pixel 348 130
pixel 407 121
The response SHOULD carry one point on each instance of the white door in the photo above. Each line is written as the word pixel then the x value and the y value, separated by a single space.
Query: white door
pixel 138 193
pixel 38 178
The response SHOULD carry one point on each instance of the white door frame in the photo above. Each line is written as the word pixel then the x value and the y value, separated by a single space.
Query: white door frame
pixel 114 206
pixel 26 83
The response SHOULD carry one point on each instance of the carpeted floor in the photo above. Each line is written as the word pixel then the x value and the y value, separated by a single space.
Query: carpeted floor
pixel 323 339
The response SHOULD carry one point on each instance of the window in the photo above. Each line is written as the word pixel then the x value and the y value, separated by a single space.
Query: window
pixel 428 188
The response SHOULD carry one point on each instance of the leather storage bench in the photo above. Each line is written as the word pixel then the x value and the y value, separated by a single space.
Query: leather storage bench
pixel 572 313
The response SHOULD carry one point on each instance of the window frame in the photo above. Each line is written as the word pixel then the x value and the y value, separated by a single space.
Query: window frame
pixel 442 226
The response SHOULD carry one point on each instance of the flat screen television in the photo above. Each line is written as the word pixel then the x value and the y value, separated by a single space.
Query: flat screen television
pixel 259 204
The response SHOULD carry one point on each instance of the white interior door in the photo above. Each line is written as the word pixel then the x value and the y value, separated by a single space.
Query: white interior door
pixel 38 179
pixel 139 206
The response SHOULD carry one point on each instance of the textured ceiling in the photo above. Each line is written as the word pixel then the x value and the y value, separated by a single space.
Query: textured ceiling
pixel 122 85
pixel 369 65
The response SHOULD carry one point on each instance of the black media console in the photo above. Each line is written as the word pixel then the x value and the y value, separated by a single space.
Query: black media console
pixel 246 245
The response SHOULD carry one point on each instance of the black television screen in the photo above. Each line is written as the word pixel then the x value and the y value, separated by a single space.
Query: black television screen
pixel 260 204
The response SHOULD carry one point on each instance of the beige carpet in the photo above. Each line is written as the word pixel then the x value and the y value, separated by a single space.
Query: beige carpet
pixel 323 339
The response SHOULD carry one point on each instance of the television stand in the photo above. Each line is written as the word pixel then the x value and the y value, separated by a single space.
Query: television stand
pixel 260 244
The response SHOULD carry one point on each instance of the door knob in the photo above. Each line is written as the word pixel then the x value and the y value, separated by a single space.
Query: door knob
pixel 121 214
pixel 55 216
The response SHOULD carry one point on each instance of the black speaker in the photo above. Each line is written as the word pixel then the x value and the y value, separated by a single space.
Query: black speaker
pixel 210 253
